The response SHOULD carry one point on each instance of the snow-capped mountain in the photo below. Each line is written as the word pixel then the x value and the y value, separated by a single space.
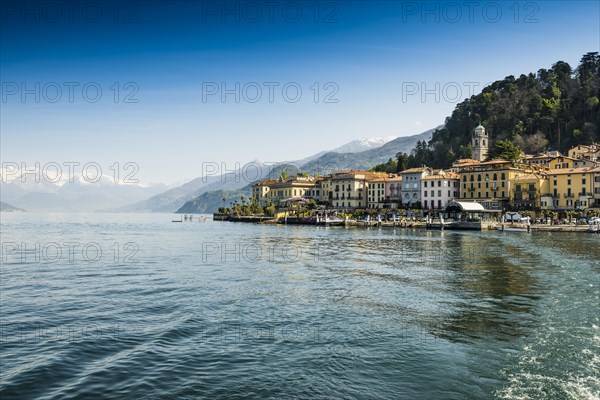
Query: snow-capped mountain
pixel 39 192
pixel 363 144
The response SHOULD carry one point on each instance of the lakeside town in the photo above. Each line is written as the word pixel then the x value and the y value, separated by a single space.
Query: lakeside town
pixel 547 190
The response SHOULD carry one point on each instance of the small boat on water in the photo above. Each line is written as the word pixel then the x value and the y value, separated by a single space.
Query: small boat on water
pixel 329 220
pixel 513 228
pixel 523 225
pixel 594 225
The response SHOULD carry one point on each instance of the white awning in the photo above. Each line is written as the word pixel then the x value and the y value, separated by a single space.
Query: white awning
pixel 467 206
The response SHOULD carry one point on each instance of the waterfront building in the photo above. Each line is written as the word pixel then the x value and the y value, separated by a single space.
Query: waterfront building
pixel 489 182
pixel 572 188
pixel 316 192
pixel 384 191
pixel 348 189
pixel 411 185
pixel 439 188
pixel 531 192
pixel 376 192
pixel 393 192
pixel 596 175
pixel 281 190
pixel 260 190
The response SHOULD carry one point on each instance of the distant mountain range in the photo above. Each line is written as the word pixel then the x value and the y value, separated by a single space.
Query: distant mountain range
pixel 5 207
pixel 207 192
pixel 207 201
pixel 76 196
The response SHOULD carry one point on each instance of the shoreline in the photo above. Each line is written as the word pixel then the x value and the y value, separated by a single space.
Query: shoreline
pixel 485 226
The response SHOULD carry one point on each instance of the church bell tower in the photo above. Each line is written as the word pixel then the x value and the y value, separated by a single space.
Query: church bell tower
pixel 479 144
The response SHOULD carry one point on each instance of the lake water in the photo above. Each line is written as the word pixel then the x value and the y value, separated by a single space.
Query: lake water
pixel 135 306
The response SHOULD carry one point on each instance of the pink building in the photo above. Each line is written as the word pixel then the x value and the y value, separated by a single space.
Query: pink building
pixel 393 191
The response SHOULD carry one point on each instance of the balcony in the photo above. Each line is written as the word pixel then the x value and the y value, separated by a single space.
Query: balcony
pixel 585 194
pixel 569 195
pixel 557 196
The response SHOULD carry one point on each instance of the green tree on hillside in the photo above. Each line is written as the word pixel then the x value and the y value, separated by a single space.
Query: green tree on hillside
pixel 505 150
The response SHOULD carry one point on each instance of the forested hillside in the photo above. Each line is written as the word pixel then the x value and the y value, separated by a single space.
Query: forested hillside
pixel 554 108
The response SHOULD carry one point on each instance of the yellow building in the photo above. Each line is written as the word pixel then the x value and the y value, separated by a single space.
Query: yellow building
pixel 596 188
pixel 260 190
pixel 542 159
pixel 530 192
pixel 277 191
pixel 376 191
pixel 489 183
pixel 348 189
pixel 562 162
pixel 384 191
pixel 586 152
pixel 572 188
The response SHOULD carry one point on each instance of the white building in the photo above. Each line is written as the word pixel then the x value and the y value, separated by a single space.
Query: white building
pixel 411 185
pixel 439 188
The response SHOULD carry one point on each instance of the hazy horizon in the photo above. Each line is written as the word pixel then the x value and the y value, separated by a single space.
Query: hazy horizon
pixel 171 85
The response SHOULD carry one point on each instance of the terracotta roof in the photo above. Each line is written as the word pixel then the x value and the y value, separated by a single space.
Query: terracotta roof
pixel 529 177
pixel 265 182
pixel 577 170
pixel 445 175
pixel 466 161
pixel 395 179
pixel 414 170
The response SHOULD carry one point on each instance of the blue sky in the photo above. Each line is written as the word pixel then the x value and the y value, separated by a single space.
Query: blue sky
pixel 369 60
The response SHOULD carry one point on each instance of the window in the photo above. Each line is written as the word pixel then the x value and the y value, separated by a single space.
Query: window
pixel 479 178
pixel 439 193
pixel 439 183
pixel 465 178
pixel 568 181
pixel 495 177
pixel 503 176
pixel 425 184
pixel 432 193
pixel 425 202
